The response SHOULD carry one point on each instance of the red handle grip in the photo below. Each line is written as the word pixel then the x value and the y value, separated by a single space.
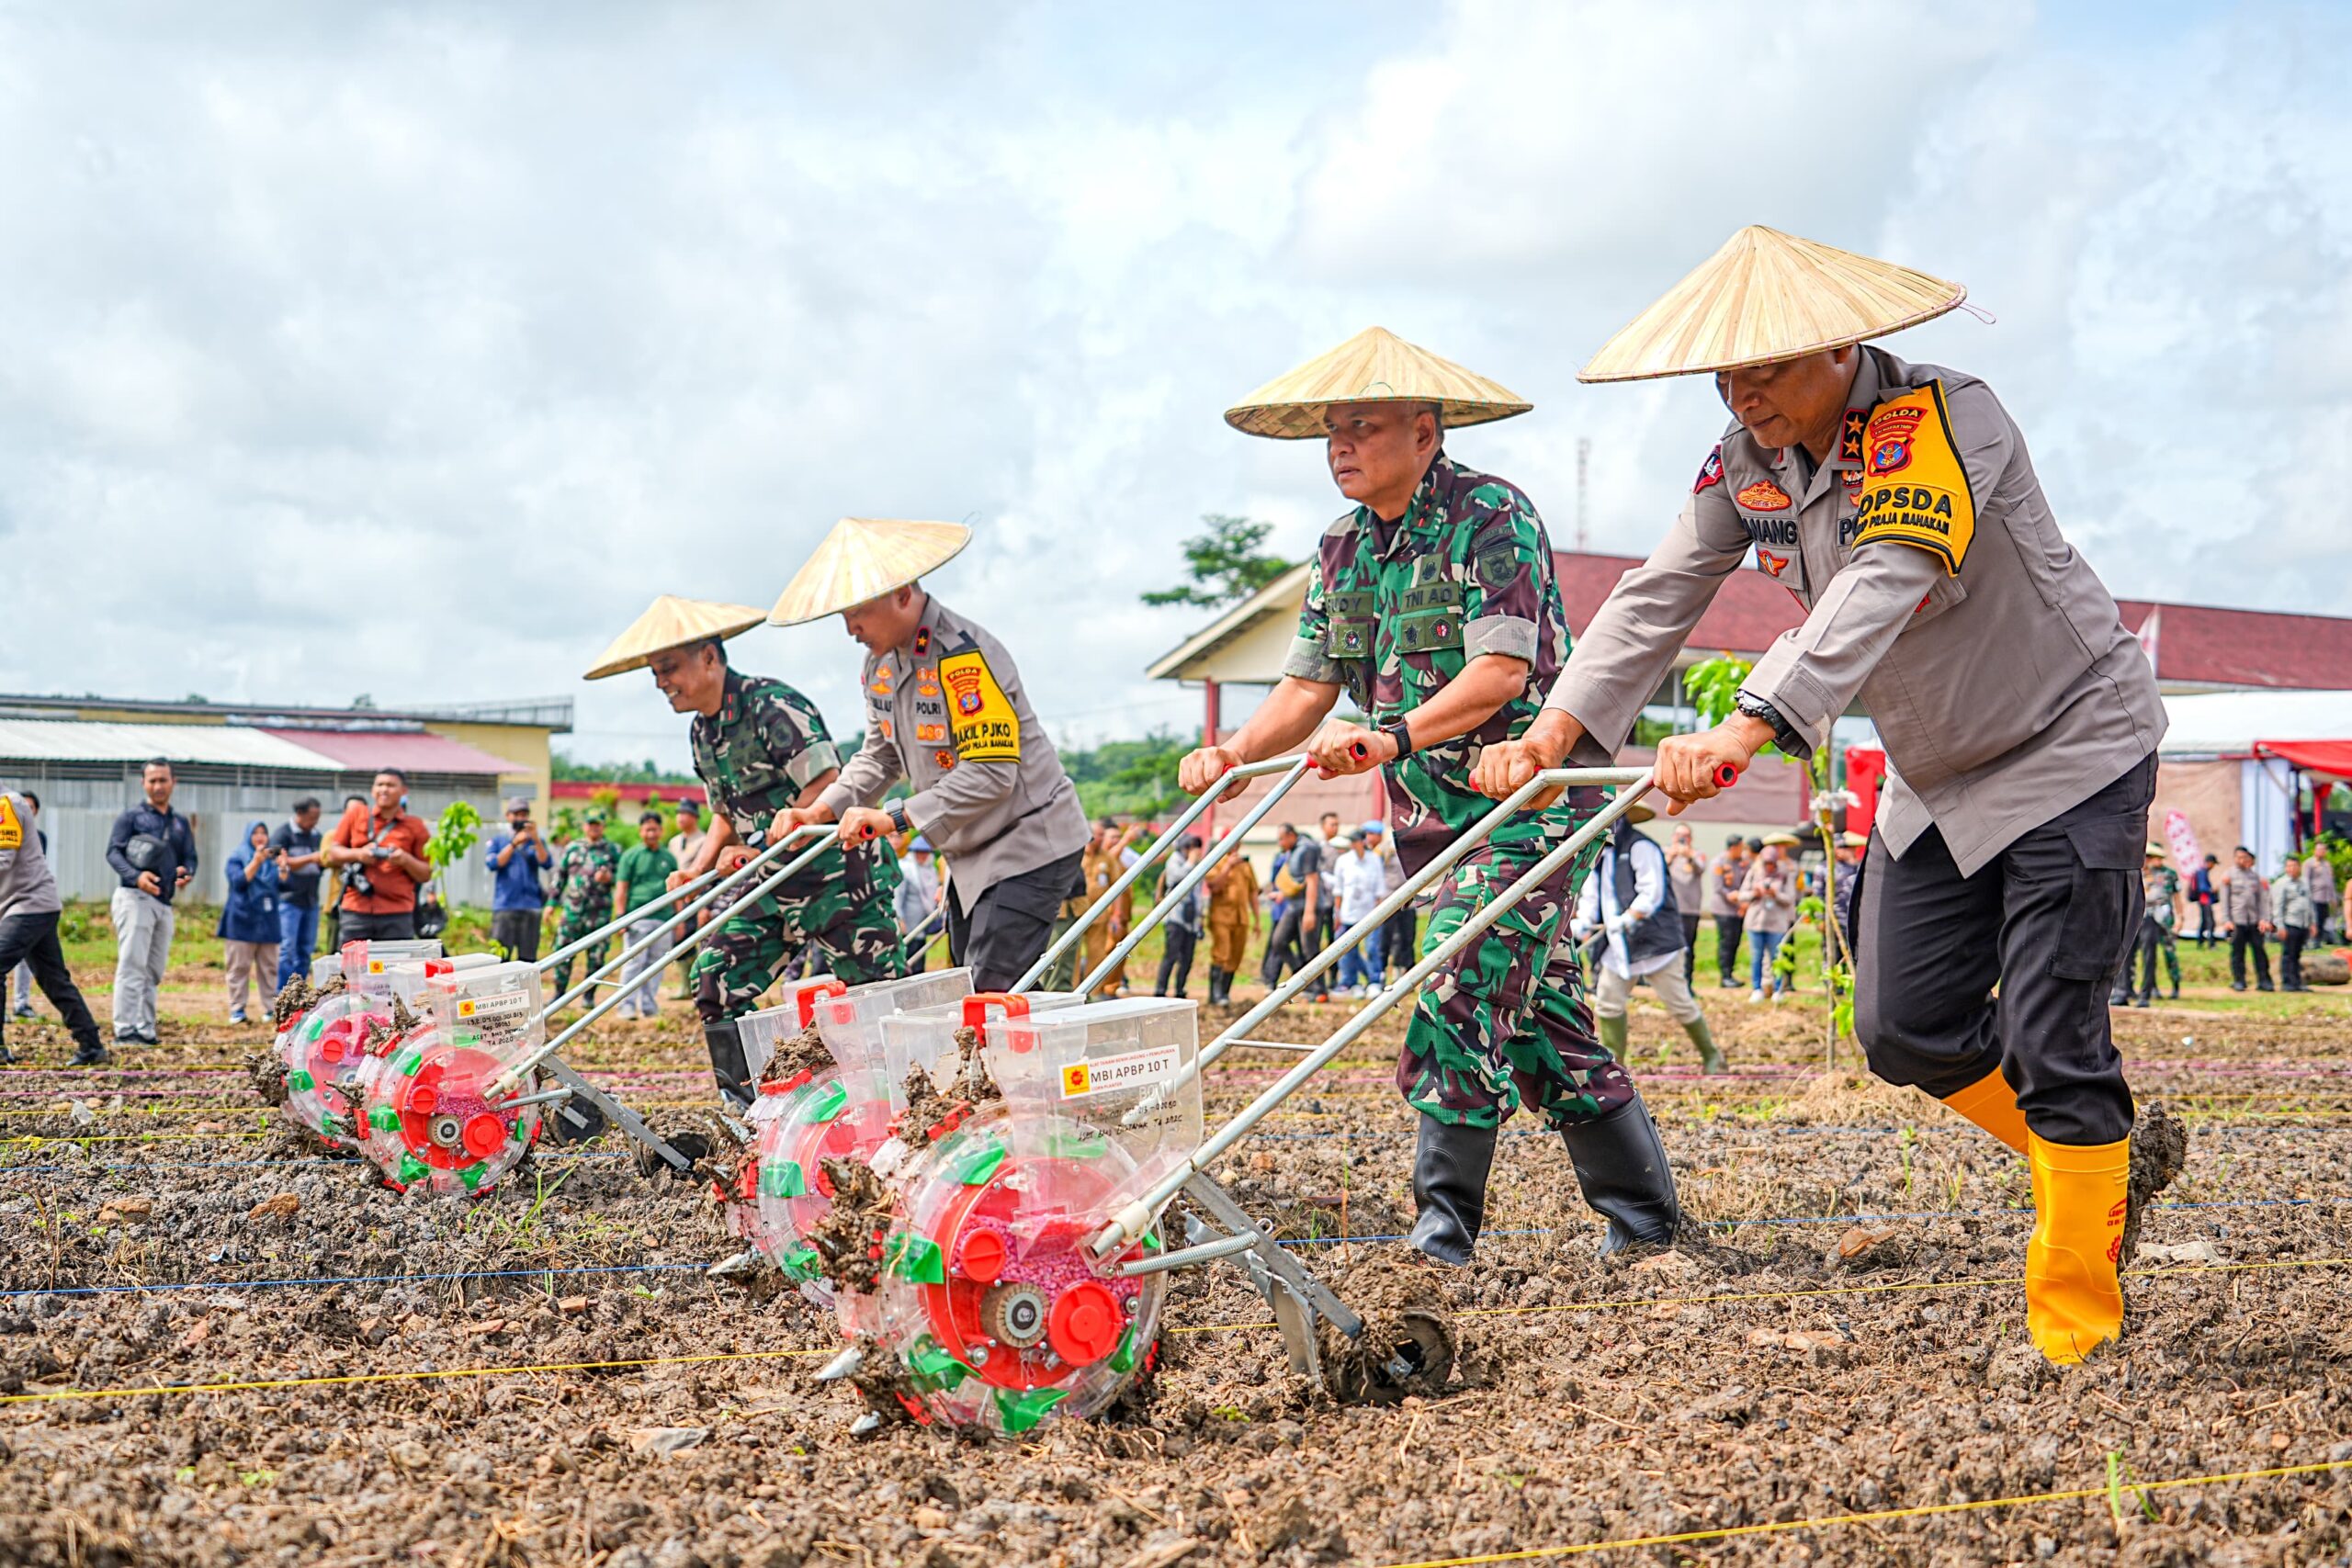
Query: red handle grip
pixel 867 832
pixel 1725 775
pixel 1359 750
pixel 807 1001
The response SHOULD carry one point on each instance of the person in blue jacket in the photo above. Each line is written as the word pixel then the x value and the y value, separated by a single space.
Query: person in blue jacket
pixel 248 929
pixel 517 898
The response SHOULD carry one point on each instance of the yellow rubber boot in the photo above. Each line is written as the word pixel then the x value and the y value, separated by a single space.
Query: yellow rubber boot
pixel 2074 1302
pixel 1992 1104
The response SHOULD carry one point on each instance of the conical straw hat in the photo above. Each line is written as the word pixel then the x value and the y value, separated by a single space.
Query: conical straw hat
pixel 672 621
pixel 1768 296
pixel 1373 366
pixel 865 557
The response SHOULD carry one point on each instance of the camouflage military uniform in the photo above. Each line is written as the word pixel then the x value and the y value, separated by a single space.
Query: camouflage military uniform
pixel 1394 613
pixel 583 891
pixel 755 756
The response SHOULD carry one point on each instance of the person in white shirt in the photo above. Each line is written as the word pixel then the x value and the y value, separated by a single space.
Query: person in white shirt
pixel 1628 903
pixel 1359 881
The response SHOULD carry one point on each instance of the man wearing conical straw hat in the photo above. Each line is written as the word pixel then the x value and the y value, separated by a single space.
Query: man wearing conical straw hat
pixel 946 712
pixel 1434 606
pixel 1897 503
pixel 760 747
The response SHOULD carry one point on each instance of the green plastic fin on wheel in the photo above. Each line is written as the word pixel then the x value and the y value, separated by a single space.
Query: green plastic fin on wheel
pixel 471 1176
pixel 1123 1360
pixel 934 1367
pixel 384 1118
pixel 831 1103
pixel 301 1082
pixel 915 1258
pixel 978 1165
pixel 413 1168
pixel 783 1178
pixel 800 1265
pixel 318 1026
pixel 1020 1412
pixel 410 1063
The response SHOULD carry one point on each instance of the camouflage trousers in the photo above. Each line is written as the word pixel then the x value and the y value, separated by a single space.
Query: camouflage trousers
pixel 843 919
pixel 570 928
pixel 1505 1022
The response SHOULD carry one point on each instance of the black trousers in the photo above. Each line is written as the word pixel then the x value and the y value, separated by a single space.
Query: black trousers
pixel 2244 940
pixel 516 932
pixel 2155 939
pixel 1176 959
pixel 1728 931
pixel 2290 956
pixel 1400 941
pixel 1690 924
pixel 1009 925
pixel 400 926
pixel 1289 948
pixel 2205 934
pixel 31 940
pixel 2049 921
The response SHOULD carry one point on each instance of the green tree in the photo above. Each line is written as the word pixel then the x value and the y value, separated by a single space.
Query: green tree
pixel 648 772
pixel 1225 564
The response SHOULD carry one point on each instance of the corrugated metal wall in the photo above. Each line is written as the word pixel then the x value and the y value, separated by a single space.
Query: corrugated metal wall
pixel 80 801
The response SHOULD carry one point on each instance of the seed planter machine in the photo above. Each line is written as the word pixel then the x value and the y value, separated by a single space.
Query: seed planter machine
pixel 978 1185
pixel 441 1071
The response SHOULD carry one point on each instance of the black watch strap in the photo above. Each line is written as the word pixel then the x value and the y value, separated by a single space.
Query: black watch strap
pixel 1784 735
pixel 898 816
pixel 1397 729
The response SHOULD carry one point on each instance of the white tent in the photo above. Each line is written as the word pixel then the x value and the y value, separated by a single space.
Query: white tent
pixel 2214 792
pixel 2227 724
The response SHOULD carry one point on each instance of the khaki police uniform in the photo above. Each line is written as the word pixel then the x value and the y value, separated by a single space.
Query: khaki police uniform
pixel 2021 722
pixel 948 714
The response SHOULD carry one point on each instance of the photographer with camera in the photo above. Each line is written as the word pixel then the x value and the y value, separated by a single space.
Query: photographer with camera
pixel 518 900
pixel 153 850
pixel 381 849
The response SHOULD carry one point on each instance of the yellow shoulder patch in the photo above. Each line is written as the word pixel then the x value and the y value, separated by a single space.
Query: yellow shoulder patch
pixel 12 833
pixel 1915 487
pixel 978 710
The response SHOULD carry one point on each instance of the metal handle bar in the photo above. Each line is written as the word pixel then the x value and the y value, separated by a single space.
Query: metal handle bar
pixel 677 917
pixel 1193 877
pixel 601 933
pixel 1161 846
pixel 824 832
pixel 1135 1218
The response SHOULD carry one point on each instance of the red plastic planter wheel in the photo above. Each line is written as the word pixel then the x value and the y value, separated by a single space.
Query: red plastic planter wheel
pixel 446 1120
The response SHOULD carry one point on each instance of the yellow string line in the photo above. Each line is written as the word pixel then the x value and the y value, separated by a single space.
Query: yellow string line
pixel 346 1379
pixel 1612 1304
pixel 1882 1516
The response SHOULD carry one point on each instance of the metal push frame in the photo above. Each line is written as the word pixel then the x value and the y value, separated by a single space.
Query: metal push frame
pixel 1217 1228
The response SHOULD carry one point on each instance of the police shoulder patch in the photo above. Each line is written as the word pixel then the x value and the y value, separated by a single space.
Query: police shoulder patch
pixel 12 833
pixel 978 710
pixel 1711 472
pixel 1915 487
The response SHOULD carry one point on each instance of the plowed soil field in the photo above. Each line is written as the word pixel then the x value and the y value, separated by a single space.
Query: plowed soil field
pixel 1834 1369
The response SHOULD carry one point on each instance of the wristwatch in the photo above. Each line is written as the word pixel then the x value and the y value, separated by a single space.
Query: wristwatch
pixel 898 811
pixel 1399 731
pixel 1783 736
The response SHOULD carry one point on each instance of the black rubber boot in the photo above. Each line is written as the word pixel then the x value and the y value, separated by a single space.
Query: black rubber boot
pixel 1450 1167
pixel 1620 1165
pixel 92 1054
pixel 727 1064
pixel 1218 980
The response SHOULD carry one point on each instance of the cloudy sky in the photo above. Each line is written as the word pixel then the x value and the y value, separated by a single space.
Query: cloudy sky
pixel 410 349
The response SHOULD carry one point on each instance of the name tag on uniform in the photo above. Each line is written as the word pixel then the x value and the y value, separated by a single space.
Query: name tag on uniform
pixel 1777 555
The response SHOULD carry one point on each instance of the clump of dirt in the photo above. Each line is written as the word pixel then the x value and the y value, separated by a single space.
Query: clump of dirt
pixel 929 1106
pixel 267 1072
pixel 803 1056
pixel 299 998
pixel 2159 1152
pixel 849 1238
pixel 1407 1346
